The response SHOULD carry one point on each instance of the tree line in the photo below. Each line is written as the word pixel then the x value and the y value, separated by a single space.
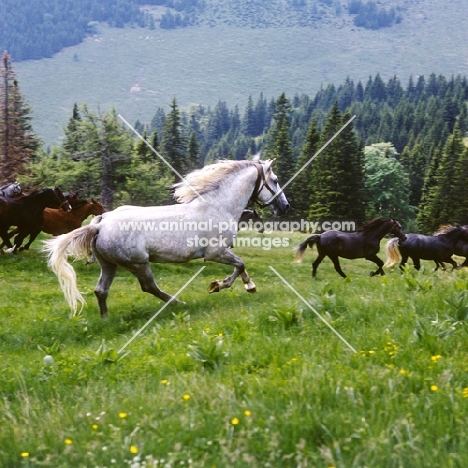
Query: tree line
pixel 403 155
pixel 34 30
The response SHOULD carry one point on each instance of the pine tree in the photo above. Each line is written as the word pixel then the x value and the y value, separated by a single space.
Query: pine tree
pixel 439 198
pixel 425 217
pixel 279 145
pixel 337 189
pixel 299 192
pixel 248 126
pixel 173 145
pixel 415 161
pixel 460 189
pixel 193 152
pixel 18 143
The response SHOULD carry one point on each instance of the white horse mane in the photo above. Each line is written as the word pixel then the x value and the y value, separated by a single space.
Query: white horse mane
pixel 206 179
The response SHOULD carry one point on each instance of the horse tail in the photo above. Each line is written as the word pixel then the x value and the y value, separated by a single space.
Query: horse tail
pixel 300 249
pixel 76 243
pixel 393 252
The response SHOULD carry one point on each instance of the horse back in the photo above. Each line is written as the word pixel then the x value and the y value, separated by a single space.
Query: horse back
pixel 349 245
pixel 427 247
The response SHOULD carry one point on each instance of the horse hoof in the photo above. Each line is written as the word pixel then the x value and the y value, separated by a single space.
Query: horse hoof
pixel 213 287
pixel 250 287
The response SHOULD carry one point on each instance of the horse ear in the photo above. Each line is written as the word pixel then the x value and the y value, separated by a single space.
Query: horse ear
pixel 268 164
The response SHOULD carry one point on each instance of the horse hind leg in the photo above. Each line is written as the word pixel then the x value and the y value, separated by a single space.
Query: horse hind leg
pixel 316 263
pixel 336 263
pixel 101 290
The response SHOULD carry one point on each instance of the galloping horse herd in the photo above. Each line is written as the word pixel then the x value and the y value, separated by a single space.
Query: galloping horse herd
pixel 48 210
pixel 206 199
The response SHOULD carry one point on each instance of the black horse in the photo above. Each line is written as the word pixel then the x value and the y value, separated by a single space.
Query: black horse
pixel 438 248
pixel 364 243
pixel 461 247
pixel 26 214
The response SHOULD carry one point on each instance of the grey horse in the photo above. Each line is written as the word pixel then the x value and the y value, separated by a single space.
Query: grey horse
pixel 202 225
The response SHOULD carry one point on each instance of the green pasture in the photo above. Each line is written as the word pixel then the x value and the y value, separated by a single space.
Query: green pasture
pixel 235 379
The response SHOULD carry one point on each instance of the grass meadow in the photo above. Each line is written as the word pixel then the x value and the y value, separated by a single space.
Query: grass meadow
pixel 235 379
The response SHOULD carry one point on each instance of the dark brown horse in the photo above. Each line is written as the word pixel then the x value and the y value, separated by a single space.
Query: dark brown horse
pixel 364 243
pixel 461 247
pixel 438 248
pixel 26 213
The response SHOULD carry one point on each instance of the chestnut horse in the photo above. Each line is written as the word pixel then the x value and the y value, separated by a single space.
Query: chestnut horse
pixel 58 222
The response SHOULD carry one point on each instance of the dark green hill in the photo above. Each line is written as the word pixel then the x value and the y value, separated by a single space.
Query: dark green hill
pixel 39 29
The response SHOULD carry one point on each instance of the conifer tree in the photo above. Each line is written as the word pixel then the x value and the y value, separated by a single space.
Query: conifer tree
pixel 337 189
pixel 439 201
pixel 299 191
pixel 415 161
pixel 279 145
pixel 193 152
pixel 425 217
pixel 18 143
pixel 173 145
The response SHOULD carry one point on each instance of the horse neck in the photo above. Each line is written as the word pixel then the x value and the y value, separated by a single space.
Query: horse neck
pixel 379 231
pixel 82 211
pixel 234 193
pixel 454 235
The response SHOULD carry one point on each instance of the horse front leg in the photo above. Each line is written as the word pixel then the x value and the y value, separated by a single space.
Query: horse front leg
pixel 5 238
pixel 32 236
pixel 379 263
pixel 229 258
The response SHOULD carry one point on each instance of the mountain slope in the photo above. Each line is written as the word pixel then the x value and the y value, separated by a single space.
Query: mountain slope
pixel 137 70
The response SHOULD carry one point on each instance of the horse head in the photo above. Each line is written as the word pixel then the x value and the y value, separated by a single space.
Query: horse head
pixel 267 191
pixel 397 231
pixel 96 207
pixel 64 204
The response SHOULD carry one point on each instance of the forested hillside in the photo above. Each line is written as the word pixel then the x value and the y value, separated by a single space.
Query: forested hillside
pixel 35 30
pixel 402 156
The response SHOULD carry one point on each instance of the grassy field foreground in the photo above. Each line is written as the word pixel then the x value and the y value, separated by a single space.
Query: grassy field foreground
pixel 233 379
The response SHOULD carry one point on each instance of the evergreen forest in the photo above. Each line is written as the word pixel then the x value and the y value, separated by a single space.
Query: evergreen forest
pixel 400 151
